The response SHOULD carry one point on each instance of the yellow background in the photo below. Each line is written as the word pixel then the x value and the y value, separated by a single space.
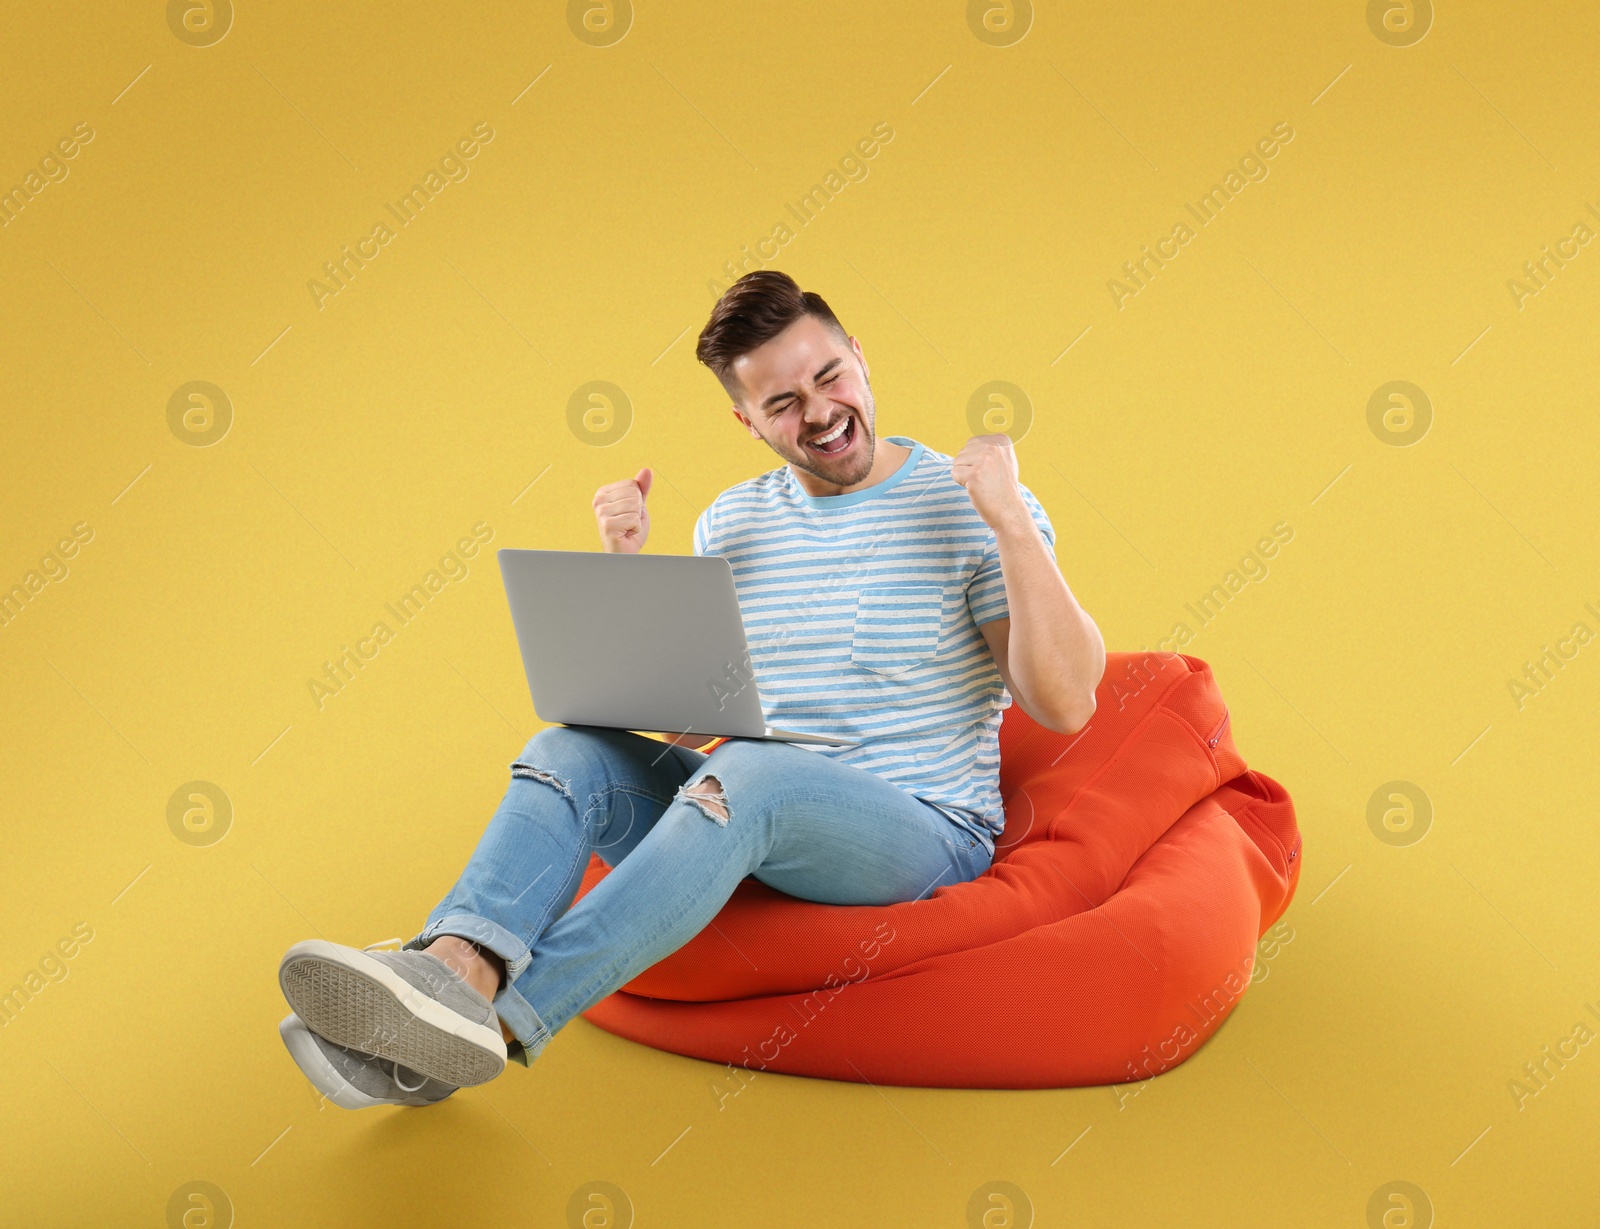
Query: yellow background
pixel 1168 435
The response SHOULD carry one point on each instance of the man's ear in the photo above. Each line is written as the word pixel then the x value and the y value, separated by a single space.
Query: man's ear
pixel 748 425
pixel 856 346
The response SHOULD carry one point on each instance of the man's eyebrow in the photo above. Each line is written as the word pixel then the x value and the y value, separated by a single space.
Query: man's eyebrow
pixel 821 371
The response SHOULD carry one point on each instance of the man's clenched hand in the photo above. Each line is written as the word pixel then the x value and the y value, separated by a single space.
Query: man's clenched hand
pixel 987 467
pixel 624 521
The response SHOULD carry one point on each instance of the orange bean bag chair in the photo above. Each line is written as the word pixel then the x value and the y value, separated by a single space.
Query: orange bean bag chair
pixel 1141 863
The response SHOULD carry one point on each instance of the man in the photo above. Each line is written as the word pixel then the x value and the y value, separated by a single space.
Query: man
pixel 892 595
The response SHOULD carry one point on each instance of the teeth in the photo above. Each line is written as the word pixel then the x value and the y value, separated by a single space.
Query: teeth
pixel 835 433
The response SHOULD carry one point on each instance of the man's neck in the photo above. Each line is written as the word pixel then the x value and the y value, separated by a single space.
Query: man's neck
pixel 886 459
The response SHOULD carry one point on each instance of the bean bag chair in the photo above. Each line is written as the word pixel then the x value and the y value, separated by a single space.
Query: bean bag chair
pixel 1141 863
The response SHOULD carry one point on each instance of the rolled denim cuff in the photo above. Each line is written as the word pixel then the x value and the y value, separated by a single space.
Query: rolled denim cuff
pixel 509 1005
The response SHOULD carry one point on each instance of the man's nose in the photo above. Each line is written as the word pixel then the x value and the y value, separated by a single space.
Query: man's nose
pixel 818 409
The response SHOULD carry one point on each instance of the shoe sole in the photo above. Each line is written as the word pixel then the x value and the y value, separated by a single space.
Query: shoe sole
pixel 324 1076
pixel 353 1000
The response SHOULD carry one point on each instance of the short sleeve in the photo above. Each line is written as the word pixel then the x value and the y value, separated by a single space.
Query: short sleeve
pixel 702 533
pixel 986 593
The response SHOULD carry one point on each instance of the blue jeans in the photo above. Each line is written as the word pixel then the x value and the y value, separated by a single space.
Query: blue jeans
pixel 799 821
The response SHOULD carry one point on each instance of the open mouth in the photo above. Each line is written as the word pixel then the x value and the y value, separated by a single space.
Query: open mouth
pixel 835 440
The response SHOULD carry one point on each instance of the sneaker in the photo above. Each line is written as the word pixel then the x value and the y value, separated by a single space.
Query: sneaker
pixel 409 1007
pixel 354 1080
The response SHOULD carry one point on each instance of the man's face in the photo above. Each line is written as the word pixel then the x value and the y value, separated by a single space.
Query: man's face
pixel 801 388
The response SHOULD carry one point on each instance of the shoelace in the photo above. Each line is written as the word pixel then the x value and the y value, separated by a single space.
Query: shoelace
pixel 401 1084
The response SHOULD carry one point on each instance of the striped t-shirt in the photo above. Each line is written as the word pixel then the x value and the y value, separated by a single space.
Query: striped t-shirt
pixel 862 614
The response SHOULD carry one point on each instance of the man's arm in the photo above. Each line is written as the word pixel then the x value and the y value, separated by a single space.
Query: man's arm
pixel 1050 653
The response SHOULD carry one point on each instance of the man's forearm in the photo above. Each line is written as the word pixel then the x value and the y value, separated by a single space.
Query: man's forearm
pixel 1055 653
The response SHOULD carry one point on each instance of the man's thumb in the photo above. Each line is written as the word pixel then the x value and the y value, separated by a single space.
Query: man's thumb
pixel 644 478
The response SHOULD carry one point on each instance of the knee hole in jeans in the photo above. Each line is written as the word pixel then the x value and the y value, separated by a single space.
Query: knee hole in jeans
pixel 529 772
pixel 709 796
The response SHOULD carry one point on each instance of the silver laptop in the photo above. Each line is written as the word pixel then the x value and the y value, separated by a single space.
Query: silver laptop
pixel 637 642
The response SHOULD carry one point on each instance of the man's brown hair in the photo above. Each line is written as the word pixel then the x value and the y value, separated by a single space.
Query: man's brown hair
pixel 750 313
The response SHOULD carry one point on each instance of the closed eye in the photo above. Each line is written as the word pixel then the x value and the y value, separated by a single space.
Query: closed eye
pixel 773 410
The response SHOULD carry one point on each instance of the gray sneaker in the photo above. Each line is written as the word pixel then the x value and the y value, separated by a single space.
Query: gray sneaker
pixel 352 1079
pixel 408 1007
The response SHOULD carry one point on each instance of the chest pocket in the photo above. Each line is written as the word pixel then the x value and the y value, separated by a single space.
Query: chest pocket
pixel 897 627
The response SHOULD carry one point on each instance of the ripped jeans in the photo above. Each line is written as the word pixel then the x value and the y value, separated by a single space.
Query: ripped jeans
pixel 797 820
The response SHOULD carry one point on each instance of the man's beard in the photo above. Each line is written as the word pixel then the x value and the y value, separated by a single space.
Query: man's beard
pixel 862 451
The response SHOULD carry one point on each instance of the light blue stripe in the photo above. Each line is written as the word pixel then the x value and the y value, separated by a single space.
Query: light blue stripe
pixel 931 574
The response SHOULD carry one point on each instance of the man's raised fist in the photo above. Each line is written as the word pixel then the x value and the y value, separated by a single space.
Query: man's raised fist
pixel 624 521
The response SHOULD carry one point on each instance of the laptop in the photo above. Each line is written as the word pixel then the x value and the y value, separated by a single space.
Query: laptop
pixel 650 643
